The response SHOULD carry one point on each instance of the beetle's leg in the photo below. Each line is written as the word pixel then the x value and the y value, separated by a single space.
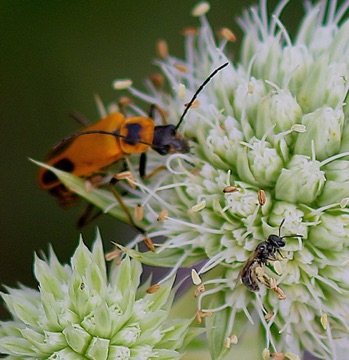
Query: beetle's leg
pixel 124 207
pixel 124 165
pixel 142 167
pixel 151 111
pixel 81 119
pixel 155 172
pixel 161 112
pixel 143 157
pixel 87 216
pixel 148 242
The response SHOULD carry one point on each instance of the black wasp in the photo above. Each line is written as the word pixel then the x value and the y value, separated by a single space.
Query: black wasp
pixel 252 271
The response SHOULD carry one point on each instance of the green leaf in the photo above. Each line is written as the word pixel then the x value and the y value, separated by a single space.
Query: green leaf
pixel 101 198
pixel 166 258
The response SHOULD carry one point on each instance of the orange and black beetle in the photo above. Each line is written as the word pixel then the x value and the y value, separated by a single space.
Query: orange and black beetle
pixel 109 141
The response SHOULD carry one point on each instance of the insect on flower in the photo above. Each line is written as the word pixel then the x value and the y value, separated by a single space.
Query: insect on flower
pixel 110 140
pixel 252 271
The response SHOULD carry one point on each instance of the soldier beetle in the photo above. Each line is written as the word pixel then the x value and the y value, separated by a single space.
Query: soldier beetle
pixel 110 140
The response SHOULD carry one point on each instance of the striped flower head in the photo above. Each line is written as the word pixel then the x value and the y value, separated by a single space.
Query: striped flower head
pixel 272 130
pixel 81 312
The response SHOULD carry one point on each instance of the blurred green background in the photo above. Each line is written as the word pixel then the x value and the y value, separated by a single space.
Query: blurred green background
pixel 54 56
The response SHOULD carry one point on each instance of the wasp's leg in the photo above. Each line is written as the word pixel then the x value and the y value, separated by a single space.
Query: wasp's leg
pixel 261 276
pixel 281 255
pixel 269 283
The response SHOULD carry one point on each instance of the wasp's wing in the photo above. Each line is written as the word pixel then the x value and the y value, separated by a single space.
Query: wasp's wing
pixel 248 272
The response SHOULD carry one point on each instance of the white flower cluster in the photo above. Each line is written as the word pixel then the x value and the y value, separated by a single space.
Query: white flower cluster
pixel 274 130
pixel 276 121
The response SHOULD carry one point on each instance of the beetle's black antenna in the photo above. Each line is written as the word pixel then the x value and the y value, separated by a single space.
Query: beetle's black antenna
pixel 198 91
pixel 116 134
pixel 88 132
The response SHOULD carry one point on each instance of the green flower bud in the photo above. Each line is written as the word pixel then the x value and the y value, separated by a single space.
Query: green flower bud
pixel 247 97
pixel 259 163
pixel 331 232
pixel 279 110
pixel 336 187
pixel 111 320
pixel 296 57
pixel 302 181
pixel 324 129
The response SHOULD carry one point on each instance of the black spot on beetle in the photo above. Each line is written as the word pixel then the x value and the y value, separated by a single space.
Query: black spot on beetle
pixel 133 133
pixel 64 164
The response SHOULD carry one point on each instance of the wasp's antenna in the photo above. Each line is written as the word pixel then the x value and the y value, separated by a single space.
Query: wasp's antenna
pixel 293 235
pixel 287 236
pixel 198 91
pixel 280 226
pixel 88 132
